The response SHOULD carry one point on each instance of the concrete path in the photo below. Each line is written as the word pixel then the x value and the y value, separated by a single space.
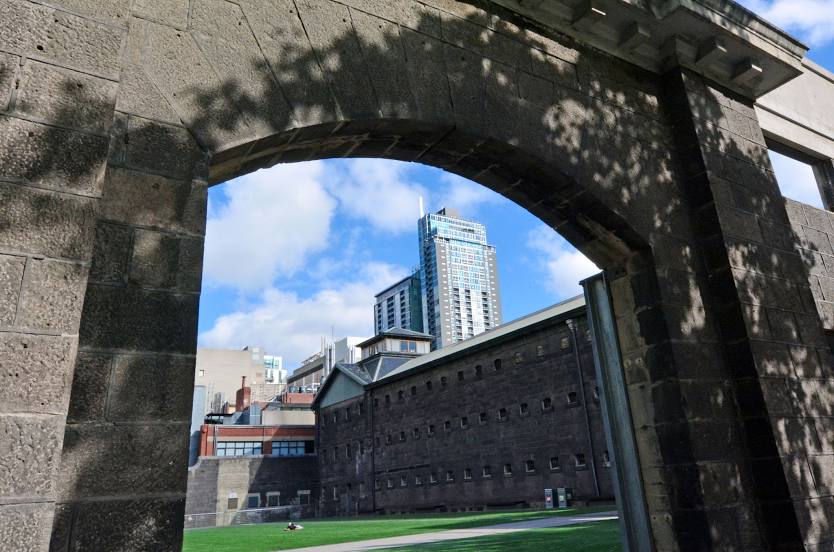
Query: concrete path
pixel 454 534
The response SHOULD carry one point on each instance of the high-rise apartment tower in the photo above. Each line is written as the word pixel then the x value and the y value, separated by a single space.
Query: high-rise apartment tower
pixel 400 306
pixel 459 278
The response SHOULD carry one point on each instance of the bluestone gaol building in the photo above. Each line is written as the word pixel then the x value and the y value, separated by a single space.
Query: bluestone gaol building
pixel 488 422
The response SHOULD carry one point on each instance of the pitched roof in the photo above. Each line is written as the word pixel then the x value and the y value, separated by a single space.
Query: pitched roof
pixel 396 332
pixel 562 309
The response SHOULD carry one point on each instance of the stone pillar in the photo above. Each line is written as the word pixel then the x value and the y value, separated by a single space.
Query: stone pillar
pixel 52 158
pixel 778 363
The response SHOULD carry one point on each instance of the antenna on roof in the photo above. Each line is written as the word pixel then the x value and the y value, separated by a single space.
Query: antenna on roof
pixel 422 214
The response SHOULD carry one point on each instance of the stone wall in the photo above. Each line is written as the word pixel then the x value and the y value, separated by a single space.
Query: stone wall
pixel 212 479
pixel 404 437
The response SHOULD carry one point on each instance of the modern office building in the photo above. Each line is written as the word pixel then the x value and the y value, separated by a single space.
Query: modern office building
pixel 400 306
pixel 220 370
pixel 307 377
pixel 459 278
pixel 274 371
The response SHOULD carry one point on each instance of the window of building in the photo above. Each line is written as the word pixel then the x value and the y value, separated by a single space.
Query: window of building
pixel 335 417
pixel 447 425
pixel 231 502
pixel 572 397
pixel 202 373
pixel 502 414
pixel 798 175
pixel 403 481
pixel 496 364
pixel 518 357
pixel 335 493
pixel 376 441
pixel 347 451
pixel 486 471
pixel 361 489
pixel 564 343
pixel 580 459
pixel 290 448
pixel 347 414
pixel 479 371
pixel 450 475
pixel 418 480
pixel 443 381
pixel 523 409
pixel 377 485
pixel 430 431
pixel 482 417
pixel 273 499
pixel 413 390
pixel 432 477
pixel 547 403
pixel 554 463
pixel 387 399
pixel 390 483
pixel 359 408
pixel 401 395
pixel 360 446
pixel 596 393
pixel 529 466
pixel 415 433
pixel 461 377
pixel 388 439
pixel 253 500
pixel 428 386
pixel 508 469
pixel 606 459
pixel 239 448
pixel 402 436
pixel 539 351
pixel 303 496
pixel 335 453
pixel 376 403
pixel 464 422
pixel 467 473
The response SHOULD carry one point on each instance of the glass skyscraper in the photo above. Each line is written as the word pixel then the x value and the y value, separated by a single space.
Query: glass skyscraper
pixel 459 278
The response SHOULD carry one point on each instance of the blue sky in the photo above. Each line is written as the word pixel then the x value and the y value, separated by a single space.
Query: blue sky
pixel 297 251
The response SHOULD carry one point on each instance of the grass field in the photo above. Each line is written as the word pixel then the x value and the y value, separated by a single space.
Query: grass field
pixel 601 536
pixel 271 536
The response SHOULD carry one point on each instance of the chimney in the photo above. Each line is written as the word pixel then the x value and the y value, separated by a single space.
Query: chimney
pixel 242 396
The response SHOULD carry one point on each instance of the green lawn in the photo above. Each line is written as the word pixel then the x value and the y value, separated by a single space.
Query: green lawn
pixel 271 536
pixel 601 536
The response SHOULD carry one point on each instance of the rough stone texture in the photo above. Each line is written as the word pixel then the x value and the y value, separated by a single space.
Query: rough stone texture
pixel 68 98
pixel 90 384
pixel 8 71
pixel 138 320
pixel 29 451
pixel 169 12
pixel 151 388
pixel 662 181
pixel 66 39
pixel 91 450
pixel 25 527
pixel 25 154
pixel 45 223
pixel 11 276
pixel 52 295
pixel 155 524
pixel 149 200
pixel 43 386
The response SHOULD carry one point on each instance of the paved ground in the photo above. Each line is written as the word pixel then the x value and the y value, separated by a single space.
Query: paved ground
pixel 487 530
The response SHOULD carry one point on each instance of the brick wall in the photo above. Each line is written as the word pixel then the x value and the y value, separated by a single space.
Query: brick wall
pixel 397 444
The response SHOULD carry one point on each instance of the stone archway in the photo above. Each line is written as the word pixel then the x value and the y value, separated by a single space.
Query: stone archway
pixel 118 120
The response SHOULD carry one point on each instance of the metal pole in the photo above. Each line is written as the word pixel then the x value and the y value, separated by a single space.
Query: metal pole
pixel 572 326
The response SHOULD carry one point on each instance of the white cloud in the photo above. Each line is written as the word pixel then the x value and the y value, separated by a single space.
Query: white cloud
pixel 273 220
pixel 465 195
pixel 796 179
pixel 563 265
pixel 379 191
pixel 812 20
pixel 285 324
